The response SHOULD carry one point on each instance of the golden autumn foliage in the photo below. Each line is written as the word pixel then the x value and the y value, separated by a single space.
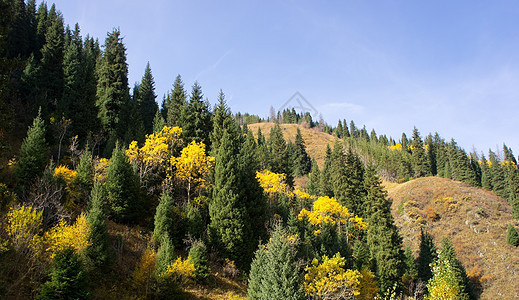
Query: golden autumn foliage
pixel 193 166
pixel 145 270
pixel 65 173
pixel 22 227
pixel 302 195
pixel 330 279
pixel 157 150
pixel 64 236
pixel 273 183
pixel 397 146
pixel 101 169
pixel 327 210
pixel 181 270
pixel 368 288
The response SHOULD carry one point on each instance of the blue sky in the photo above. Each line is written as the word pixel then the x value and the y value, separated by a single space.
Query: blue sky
pixel 445 66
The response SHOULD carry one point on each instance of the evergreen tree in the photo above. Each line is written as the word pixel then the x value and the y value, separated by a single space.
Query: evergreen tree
pixel 196 118
pixel 498 176
pixel 222 119
pixel 165 256
pixel 302 161
pixel 113 95
pixel 383 240
pixel 175 103
pixel 279 162
pixel 419 158
pixel 431 154
pixel 33 152
pixel 146 99
pixel 275 271
pixel 68 280
pixel 158 122
pixel 312 187
pixel 355 190
pixel 122 188
pixel 51 70
pixel 447 253
pixel 426 256
pixel 325 185
pixel 99 252
pixel 199 256
pixel 512 237
pixel 164 219
pixel 486 176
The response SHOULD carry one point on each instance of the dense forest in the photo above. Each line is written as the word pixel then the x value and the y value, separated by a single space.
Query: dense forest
pixel 91 170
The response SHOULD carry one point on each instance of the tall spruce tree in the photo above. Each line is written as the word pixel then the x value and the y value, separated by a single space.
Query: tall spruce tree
pixel 275 272
pixel 196 118
pixel 33 152
pixel 302 161
pixel 426 256
pixel 164 220
pixel 146 100
pixel 312 187
pixel 68 280
pixel 122 188
pixel 421 165
pixel 100 251
pixel 325 183
pixel 384 242
pixel 113 94
pixel 279 161
pixel 447 253
pixel 175 102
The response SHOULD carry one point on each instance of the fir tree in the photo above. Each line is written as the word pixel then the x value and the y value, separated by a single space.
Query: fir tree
pixel 486 176
pixel 33 152
pixel 275 271
pixel 426 256
pixel 498 176
pixel 99 252
pixel 222 119
pixel 384 242
pixel 196 118
pixel 420 162
pixel 312 187
pixel 158 122
pixel 175 103
pixel 199 256
pixel 122 188
pixel 512 237
pixel 113 94
pixel 68 280
pixel 447 253
pixel 279 162
pixel 164 222
pixel 302 161
pixel 146 99
pixel 165 256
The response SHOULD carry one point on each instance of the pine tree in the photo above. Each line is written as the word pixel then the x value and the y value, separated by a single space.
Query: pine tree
pixel 164 220
pixel 312 187
pixel 158 122
pixel 51 70
pixel 355 190
pixel 275 272
pixel 498 176
pixel 447 253
pixel 222 119
pixel 122 188
pixel 325 186
pixel 165 256
pixel 279 162
pixel 113 94
pixel 196 118
pixel 426 256
pixel 199 256
pixel 85 174
pixel 486 176
pixel 383 240
pixel 146 100
pixel 421 165
pixel 33 152
pixel 100 252
pixel 512 237
pixel 302 161
pixel 68 280
pixel 174 104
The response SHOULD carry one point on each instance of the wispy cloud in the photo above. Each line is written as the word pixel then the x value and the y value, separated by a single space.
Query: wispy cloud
pixel 214 65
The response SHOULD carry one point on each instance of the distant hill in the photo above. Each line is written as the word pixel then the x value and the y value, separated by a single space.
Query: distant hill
pixel 315 140
pixel 474 219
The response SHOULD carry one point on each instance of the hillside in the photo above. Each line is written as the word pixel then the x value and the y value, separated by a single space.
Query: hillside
pixel 474 219
pixel 315 140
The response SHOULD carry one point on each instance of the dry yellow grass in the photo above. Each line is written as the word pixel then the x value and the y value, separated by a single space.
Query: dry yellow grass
pixel 474 219
pixel 315 140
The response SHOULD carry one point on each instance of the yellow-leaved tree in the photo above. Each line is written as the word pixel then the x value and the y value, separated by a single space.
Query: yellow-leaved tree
pixel 193 166
pixel 22 227
pixel 155 155
pixel 273 183
pixel 327 210
pixel 329 279
pixel 63 236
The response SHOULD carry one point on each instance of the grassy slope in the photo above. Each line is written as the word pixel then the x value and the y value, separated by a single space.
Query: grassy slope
pixel 474 219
